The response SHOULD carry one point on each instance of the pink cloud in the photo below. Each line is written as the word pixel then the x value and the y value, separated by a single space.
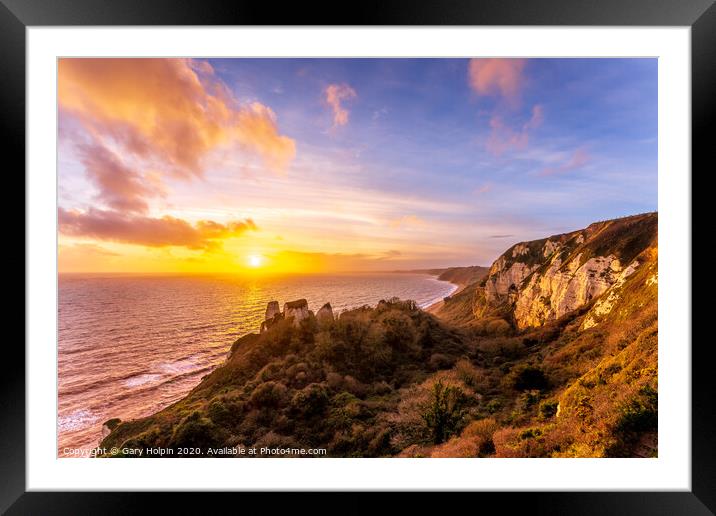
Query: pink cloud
pixel 497 77
pixel 483 189
pixel 119 187
pixel 503 137
pixel 335 94
pixel 577 160
pixel 148 231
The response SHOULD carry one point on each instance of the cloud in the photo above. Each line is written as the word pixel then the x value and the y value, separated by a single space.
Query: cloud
pixel 172 111
pixel 335 94
pixel 577 160
pixel 148 231
pixel 497 77
pixel 85 249
pixel 407 221
pixel 119 187
pixel 500 236
pixel 503 137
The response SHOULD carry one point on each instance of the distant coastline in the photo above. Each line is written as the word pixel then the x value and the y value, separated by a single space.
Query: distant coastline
pixel 427 307
pixel 460 277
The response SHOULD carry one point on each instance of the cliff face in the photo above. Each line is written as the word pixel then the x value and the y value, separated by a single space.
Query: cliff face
pixel 542 280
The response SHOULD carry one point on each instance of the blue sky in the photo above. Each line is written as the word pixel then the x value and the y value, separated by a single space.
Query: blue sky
pixel 408 162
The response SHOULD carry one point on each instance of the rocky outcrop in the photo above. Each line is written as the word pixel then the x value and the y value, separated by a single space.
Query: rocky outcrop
pixel 545 279
pixel 272 310
pixel 296 310
pixel 325 314
pixel 110 425
pixel 273 316
pixel 506 279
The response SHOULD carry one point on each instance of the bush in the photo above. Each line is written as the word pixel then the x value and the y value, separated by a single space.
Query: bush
pixel 493 406
pixel 444 412
pixel 440 361
pixel 226 412
pixel 548 408
pixel 399 331
pixel 529 398
pixel 196 431
pixel 268 395
pixel 334 380
pixel 471 375
pixel 311 400
pixel 275 440
pixel 527 377
pixel 481 431
pixel 497 327
pixel 638 414
pixel 376 354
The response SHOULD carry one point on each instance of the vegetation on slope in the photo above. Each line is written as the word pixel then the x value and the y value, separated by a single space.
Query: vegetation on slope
pixel 393 380
pixel 464 275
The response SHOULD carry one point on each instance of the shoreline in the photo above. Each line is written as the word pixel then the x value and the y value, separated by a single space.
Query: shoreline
pixel 438 302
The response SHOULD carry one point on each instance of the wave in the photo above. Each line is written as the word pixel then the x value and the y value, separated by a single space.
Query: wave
pixel 142 379
pixel 452 290
pixel 77 420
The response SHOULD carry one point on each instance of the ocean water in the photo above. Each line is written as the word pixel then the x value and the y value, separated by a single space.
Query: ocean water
pixel 129 346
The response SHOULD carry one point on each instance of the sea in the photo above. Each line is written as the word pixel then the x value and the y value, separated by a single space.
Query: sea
pixel 129 346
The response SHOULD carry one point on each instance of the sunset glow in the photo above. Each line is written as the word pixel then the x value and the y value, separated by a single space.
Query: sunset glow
pixel 190 165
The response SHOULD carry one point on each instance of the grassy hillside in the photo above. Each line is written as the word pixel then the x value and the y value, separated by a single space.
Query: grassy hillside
pixel 464 275
pixel 393 380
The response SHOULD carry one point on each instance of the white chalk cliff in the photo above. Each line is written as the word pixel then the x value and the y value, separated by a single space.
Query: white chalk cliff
pixel 542 280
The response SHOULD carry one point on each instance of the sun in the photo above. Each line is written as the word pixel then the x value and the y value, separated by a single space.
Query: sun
pixel 255 260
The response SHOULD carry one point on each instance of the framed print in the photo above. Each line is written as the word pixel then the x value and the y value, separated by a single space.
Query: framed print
pixel 419 253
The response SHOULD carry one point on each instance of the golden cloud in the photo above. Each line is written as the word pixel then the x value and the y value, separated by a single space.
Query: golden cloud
pixel 148 231
pixel 172 110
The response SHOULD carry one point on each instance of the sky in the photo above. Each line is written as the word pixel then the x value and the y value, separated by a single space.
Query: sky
pixel 325 165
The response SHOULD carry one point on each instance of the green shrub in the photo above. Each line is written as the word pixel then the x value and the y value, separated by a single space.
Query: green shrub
pixel 493 406
pixel 399 330
pixel 225 412
pixel 529 398
pixel 311 400
pixel 196 431
pixel 548 408
pixel 444 412
pixel 530 433
pixel 638 414
pixel 268 395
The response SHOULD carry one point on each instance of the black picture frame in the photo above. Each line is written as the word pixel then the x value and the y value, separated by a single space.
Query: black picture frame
pixel 17 15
